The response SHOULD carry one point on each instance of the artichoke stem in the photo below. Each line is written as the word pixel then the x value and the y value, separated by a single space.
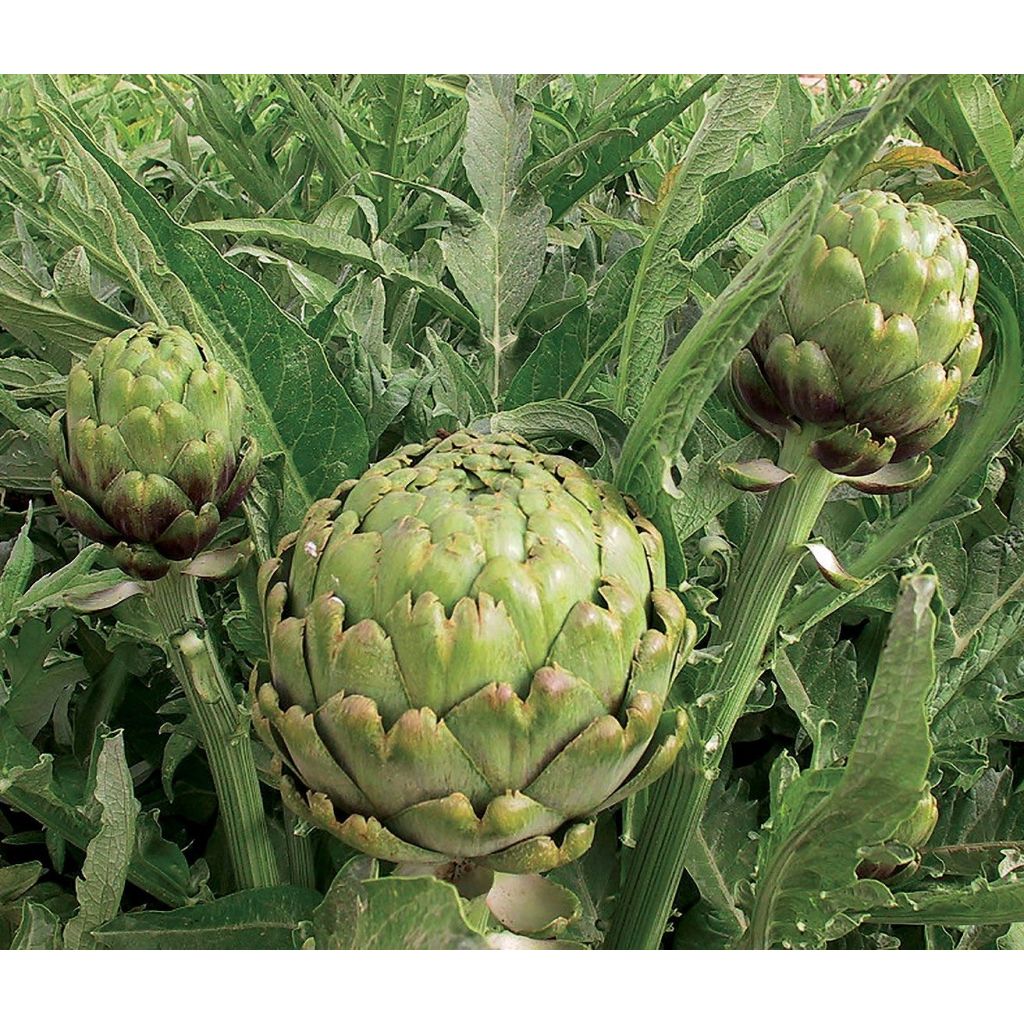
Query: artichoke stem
pixel 174 604
pixel 749 613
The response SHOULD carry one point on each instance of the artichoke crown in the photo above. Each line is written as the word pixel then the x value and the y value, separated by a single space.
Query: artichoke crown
pixel 470 649
pixel 150 451
pixel 873 338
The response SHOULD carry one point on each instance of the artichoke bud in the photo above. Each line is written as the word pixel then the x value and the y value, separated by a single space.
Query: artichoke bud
pixel 918 828
pixel 872 340
pixel 914 832
pixel 470 650
pixel 149 449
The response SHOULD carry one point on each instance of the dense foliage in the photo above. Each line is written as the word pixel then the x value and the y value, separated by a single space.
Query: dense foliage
pixel 576 263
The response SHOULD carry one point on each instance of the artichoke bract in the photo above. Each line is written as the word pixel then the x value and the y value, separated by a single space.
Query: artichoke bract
pixel 470 649
pixel 873 338
pixel 150 449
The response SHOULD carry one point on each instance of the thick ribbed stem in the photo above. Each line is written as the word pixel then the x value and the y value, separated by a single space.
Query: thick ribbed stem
pixel 749 613
pixel 174 603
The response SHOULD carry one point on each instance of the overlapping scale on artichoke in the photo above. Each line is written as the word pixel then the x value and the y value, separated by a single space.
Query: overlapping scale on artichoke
pixel 470 649
pixel 873 339
pixel 150 451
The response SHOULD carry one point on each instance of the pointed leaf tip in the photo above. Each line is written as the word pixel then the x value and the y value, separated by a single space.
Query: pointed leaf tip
pixel 757 475
pixel 832 569
pixel 893 478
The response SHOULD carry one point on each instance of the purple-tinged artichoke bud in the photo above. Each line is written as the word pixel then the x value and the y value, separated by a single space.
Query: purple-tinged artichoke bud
pixel 873 338
pixel 150 449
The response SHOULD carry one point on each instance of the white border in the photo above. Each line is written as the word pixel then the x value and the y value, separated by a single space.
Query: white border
pixel 507 988
pixel 102 36
pixel 115 36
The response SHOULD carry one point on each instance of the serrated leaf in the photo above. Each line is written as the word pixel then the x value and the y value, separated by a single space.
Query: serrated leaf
pixel 45 591
pixel 83 208
pixel 321 131
pixel 568 356
pixel 25 462
pixel 807 889
pixel 496 256
pixel 737 112
pixel 819 679
pixel 613 158
pixel 15 575
pixel 980 108
pixel 728 204
pixel 28 420
pixel 450 394
pixel 32 379
pixel 720 859
pixel 109 852
pixel 312 237
pixel 27 783
pixel 38 674
pixel 72 288
pixel 393 913
pixel 254 919
pixel 39 928
pixel 38 320
pixel 551 419
pixel 17 879
pixel 701 492
pixel 980 689
pixel 980 903
pixel 976 825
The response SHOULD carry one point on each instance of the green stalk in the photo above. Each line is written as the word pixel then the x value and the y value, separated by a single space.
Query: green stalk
pixel 174 603
pixel 749 613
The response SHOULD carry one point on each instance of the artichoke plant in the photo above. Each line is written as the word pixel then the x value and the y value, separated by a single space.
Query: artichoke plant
pixel 470 649
pixel 873 338
pixel 150 452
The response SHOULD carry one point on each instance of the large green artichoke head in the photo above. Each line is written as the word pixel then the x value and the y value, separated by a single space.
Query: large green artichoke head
pixel 150 453
pixel 873 338
pixel 470 649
